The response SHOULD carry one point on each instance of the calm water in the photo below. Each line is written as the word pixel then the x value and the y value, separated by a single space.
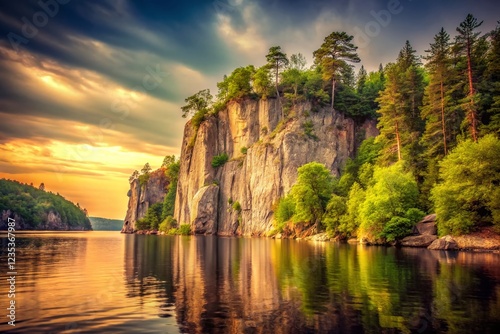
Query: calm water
pixel 105 282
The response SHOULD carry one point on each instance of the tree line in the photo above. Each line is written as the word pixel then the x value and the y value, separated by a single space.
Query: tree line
pixel 439 122
pixel 438 148
pixel 34 205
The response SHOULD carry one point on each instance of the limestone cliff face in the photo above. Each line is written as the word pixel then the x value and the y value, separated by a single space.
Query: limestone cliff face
pixel 142 197
pixel 256 179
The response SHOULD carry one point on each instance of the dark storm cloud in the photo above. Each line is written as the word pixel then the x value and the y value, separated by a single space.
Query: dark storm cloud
pixel 121 40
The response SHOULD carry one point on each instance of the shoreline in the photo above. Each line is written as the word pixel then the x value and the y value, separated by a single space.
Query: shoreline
pixel 472 242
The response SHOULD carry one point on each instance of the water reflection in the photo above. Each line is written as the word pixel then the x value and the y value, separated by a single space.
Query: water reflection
pixel 235 285
pixel 110 283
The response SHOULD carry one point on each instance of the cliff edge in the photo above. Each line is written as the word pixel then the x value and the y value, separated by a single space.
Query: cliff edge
pixel 141 197
pixel 264 150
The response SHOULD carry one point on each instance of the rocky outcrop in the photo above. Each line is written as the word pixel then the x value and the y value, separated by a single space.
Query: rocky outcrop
pixel 427 226
pixel 265 152
pixel 141 197
pixel 444 243
pixel 50 221
pixel 204 208
pixel 418 240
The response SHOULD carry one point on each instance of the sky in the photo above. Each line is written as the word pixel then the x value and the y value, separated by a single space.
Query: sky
pixel 92 90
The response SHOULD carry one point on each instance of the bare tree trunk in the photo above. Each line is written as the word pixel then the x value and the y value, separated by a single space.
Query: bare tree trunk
pixel 398 141
pixel 278 92
pixel 333 90
pixel 472 110
pixel 442 119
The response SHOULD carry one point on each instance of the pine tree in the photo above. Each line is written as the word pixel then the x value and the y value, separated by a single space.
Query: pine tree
pixel 361 79
pixel 399 104
pixel 277 59
pixel 436 100
pixel 411 81
pixel 492 77
pixel 392 116
pixel 466 41
pixel 333 55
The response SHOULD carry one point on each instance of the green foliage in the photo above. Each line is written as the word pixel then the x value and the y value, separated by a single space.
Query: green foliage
pixel 244 150
pixel 284 211
pixel 172 173
pixel 105 224
pixel 168 160
pixel 33 206
pixel 184 229
pixel 237 206
pixel 151 219
pixel 335 211
pixel 143 179
pixel 312 192
pixel 198 104
pixel 333 55
pixel 393 193
pixel 262 84
pixel 219 160
pixel 146 169
pixel 167 224
pixel 308 127
pixel 396 228
pixel 469 194
pixel 236 85
pixel 350 222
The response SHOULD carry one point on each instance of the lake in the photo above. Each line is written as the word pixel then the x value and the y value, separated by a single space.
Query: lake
pixel 106 282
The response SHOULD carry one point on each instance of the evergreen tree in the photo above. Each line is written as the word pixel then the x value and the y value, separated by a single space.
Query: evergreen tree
pixel 392 118
pixel 466 41
pixel 437 99
pixel 277 60
pixel 333 55
pixel 492 77
pixel 361 79
pixel 399 102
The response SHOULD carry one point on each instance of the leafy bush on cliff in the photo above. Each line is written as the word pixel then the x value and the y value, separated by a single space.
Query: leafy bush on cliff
pixel 167 224
pixel 152 218
pixel 219 160
pixel 469 194
pixel 172 172
pixel 33 205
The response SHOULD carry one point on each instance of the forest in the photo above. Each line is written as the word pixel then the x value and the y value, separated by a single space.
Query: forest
pixel 438 149
pixel 33 206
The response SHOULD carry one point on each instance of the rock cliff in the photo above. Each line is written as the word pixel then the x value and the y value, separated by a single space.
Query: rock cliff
pixel 142 197
pixel 264 153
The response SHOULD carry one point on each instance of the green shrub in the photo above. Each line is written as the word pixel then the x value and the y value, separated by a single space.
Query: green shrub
pixel 142 224
pixel 393 193
pixel 184 229
pixel 414 215
pixel 244 150
pixel 143 179
pixel 308 127
pixel 219 160
pixel 237 206
pixel 168 223
pixel 335 211
pixel 469 194
pixel 397 228
pixel 284 211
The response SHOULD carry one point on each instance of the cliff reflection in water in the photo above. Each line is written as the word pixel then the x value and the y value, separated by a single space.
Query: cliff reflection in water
pixel 240 285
